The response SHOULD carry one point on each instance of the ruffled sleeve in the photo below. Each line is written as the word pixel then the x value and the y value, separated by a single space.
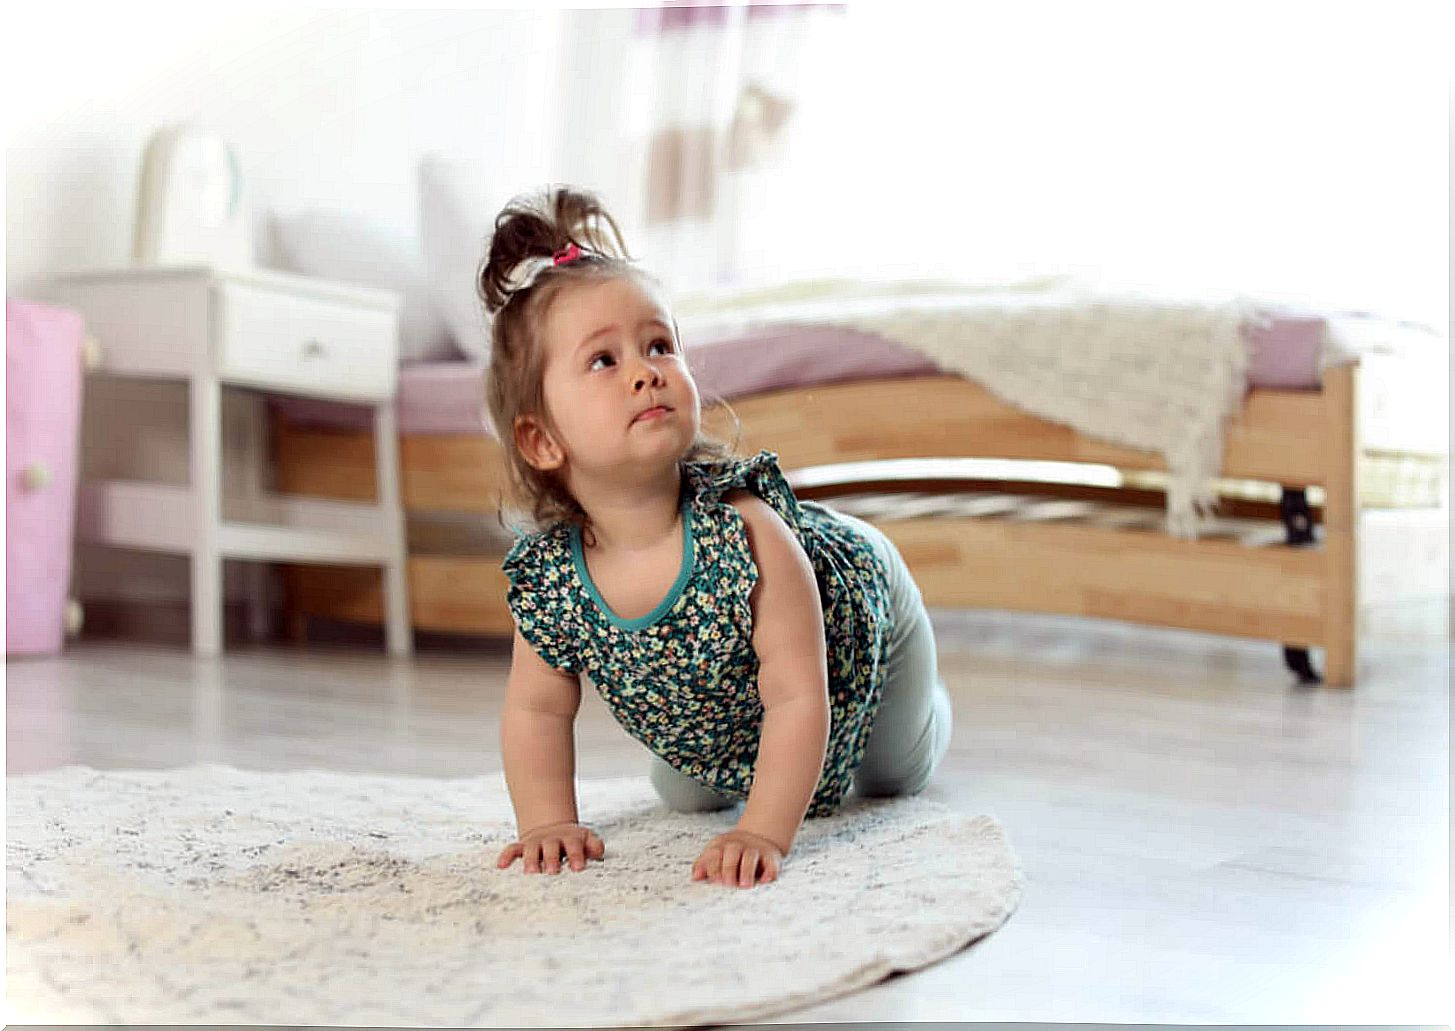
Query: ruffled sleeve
pixel 540 601
pixel 728 550
pixel 759 474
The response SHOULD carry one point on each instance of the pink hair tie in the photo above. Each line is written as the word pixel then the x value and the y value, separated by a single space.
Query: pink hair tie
pixel 566 255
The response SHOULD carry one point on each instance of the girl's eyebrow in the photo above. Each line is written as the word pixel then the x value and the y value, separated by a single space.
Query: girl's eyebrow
pixel 613 326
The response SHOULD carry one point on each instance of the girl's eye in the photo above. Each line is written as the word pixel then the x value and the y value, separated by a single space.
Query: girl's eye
pixel 663 342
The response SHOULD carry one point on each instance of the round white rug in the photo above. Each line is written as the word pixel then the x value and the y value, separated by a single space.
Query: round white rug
pixel 211 894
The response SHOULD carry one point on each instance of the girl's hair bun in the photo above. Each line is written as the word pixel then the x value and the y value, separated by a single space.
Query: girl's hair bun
pixel 537 226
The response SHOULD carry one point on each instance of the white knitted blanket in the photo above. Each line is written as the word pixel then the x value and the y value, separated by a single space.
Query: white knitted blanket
pixel 1144 372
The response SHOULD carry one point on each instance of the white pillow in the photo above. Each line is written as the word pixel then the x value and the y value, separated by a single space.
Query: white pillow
pixel 456 217
pixel 351 249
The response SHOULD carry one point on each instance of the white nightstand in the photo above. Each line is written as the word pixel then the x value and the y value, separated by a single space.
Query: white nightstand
pixel 266 330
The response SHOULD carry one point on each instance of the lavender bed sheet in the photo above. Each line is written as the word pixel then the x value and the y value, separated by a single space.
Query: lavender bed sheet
pixel 448 397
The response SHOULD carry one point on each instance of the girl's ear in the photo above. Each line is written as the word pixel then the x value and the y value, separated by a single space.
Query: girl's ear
pixel 536 444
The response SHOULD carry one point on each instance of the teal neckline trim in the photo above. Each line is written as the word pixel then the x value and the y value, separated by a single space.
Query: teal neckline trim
pixel 683 575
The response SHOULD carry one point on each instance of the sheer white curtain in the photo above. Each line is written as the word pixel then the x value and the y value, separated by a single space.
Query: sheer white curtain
pixel 712 99
pixel 1298 151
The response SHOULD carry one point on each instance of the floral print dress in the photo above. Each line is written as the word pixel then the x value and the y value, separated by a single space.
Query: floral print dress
pixel 683 678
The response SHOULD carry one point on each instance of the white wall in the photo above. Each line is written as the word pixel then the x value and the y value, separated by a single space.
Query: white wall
pixel 325 107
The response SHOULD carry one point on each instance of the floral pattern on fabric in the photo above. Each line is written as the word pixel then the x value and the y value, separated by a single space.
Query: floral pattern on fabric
pixel 685 683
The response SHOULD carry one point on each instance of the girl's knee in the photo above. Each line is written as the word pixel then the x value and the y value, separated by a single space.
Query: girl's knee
pixel 910 772
pixel 882 788
pixel 683 794
pixel 876 784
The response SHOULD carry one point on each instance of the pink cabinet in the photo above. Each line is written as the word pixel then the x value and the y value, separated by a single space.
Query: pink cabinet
pixel 43 367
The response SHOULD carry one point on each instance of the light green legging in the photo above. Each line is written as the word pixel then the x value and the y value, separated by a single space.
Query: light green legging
pixel 911 731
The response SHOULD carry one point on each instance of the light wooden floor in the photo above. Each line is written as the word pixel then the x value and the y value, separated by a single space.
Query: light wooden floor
pixel 1204 841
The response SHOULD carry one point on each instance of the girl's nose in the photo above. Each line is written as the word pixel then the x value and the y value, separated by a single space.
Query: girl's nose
pixel 647 374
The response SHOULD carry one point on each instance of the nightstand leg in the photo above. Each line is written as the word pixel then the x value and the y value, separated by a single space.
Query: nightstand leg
pixel 258 574
pixel 205 459
pixel 398 635
pixel 260 611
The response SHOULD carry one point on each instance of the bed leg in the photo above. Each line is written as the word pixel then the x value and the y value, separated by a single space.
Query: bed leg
pixel 1341 524
pixel 1298 526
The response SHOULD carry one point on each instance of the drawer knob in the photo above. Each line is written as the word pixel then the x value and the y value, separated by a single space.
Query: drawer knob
pixel 313 349
pixel 74 617
pixel 36 476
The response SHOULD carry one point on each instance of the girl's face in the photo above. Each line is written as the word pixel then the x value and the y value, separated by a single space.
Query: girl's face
pixel 613 360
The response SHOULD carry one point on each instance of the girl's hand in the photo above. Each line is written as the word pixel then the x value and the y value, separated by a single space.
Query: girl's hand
pixel 546 844
pixel 735 858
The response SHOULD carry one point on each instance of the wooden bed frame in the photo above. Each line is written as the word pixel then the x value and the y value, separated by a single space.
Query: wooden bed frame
pixel 1299 592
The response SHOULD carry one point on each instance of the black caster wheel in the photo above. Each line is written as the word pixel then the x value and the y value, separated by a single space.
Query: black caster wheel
pixel 1297 660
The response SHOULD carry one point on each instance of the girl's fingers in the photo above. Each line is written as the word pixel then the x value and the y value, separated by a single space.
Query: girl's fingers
pixel 708 862
pixel 731 856
pixel 749 868
pixel 544 855
pixel 553 855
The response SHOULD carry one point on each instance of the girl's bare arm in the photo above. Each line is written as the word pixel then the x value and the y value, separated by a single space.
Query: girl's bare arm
pixel 537 739
pixel 788 636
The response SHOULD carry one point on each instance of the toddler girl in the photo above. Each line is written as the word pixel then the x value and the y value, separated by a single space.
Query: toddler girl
pixel 764 649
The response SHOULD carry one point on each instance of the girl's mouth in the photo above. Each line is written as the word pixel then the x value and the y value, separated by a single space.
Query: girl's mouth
pixel 652 413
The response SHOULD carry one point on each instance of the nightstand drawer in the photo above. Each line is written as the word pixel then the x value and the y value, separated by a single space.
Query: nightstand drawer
pixel 294 343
